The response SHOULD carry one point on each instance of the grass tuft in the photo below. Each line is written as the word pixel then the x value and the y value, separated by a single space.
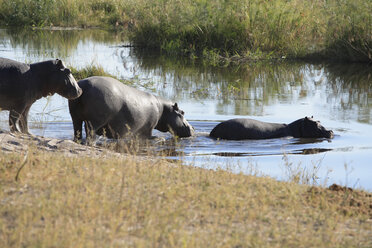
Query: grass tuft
pixel 89 71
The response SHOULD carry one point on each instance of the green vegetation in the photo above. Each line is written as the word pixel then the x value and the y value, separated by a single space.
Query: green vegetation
pixel 217 30
pixel 95 70
pixel 50 199
pixel 89 71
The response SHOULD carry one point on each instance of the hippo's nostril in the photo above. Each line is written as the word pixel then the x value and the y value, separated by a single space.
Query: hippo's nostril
pixel 329 134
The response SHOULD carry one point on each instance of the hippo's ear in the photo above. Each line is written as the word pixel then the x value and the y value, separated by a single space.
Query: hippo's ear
pixel 60 64
pixel 176 108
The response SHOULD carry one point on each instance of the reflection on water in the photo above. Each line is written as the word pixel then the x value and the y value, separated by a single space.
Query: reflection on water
pixel 52 43
pixel 340 96
pixel 350 91
pixel 344 91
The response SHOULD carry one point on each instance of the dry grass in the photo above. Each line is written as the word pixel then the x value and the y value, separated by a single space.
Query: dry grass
pixel 61 201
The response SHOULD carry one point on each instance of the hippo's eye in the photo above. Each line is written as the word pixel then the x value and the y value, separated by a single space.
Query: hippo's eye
pixel 179 113
pixel 66 71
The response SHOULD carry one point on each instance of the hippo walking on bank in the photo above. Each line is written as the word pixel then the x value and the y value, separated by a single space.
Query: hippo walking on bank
pixel 22 84
pixel 111 108
pixel 240 129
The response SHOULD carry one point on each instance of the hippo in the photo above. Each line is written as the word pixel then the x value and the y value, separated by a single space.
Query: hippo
pixel 110 108
pixel 22 84
pixel 244 128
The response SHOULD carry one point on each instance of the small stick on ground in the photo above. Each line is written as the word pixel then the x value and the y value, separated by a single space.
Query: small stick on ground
pixel 22 165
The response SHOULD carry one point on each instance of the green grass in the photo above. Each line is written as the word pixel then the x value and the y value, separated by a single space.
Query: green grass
pixel 95 70
pixel 137 202
pixel 89 71
pixel 248 29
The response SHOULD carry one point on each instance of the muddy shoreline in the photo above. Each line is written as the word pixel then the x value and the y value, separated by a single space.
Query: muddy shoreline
pixel 18 142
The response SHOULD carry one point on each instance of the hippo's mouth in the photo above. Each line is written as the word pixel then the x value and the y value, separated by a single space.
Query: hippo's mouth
pixel 184 132
pixel 329 134
pixel 187 131
pixel 72 92
pixel 72 89
pixel 77 93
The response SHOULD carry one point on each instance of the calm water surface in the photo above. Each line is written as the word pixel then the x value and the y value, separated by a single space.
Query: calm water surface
pixel 339 95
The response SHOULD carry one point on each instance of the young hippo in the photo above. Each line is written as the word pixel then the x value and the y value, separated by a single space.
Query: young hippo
pixel 240 129
pixel 22 84
pixel 109 107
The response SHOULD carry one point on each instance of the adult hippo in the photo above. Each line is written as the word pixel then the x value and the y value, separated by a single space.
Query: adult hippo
pixel 111 108
pixel 239 129
pixel 22 84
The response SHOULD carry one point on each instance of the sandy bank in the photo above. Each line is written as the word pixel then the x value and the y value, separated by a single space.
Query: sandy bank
pixel 18 142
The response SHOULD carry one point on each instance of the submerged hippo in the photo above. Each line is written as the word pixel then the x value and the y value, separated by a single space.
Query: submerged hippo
pixel 22 84
pixel 111 108
pixel 239 129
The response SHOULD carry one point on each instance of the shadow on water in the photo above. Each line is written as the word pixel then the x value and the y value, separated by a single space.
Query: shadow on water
pixel 302 151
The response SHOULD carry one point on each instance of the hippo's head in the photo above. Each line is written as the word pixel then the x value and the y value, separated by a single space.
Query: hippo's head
pixel 173 120
pixel 63 81
pixel 312 129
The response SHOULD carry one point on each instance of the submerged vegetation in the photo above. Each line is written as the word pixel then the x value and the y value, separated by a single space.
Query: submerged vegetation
pixel 139 202
pixel 217 30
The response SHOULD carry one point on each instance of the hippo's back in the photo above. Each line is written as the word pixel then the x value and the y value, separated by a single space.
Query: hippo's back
pixel 13 83
pixel 244 128
pixel 11 70
pixel 233 129
pixel 110 89
pixel 105 99
pixel 101 96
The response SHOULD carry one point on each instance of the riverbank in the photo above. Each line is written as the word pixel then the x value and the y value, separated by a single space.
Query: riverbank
pixel 218 31
pixel 60 194
pixel 21 143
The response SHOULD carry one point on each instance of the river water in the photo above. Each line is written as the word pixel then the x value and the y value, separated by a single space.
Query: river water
pixel 339 95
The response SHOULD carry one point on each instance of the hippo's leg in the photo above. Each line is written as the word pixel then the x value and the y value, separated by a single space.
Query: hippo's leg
pixel 23 120
pixel 14 117
pixel 145 132
pixel 91 129
pixel 78 129
pixel 121 126
pixel 90 132
pixel 107 132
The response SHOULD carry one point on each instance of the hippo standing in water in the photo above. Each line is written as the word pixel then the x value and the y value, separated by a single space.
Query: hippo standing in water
pixel 22 84
pixel 239 129
pixel 111 108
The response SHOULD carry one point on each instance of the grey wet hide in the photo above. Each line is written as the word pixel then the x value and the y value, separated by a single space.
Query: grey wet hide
pixel 22 84
pixel 110 108
pixel 244 128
